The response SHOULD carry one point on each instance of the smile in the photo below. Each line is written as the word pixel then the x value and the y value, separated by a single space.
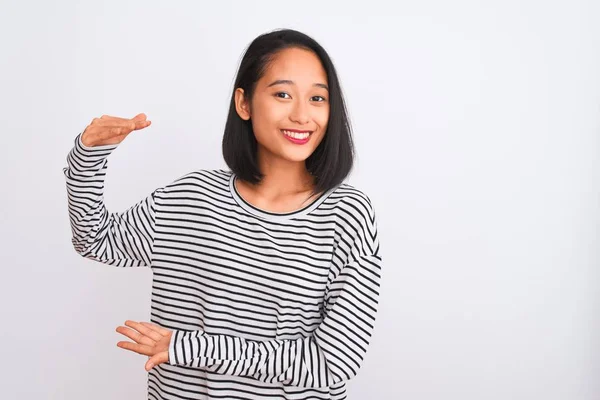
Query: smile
pixel 296 136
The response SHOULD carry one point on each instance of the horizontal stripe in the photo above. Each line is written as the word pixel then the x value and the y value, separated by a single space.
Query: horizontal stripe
pixel 262 305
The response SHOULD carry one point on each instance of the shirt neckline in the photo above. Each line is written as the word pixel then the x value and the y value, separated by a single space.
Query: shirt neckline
pixel 270 215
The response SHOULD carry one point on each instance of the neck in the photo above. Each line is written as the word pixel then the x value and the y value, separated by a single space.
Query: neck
pixel 282 177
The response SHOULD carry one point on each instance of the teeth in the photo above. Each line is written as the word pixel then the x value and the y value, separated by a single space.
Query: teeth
pixel 296 135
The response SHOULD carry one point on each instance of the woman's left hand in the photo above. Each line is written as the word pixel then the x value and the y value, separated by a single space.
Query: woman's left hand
pixel 150 340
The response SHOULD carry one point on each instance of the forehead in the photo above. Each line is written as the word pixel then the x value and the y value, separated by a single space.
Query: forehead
pixel 301 66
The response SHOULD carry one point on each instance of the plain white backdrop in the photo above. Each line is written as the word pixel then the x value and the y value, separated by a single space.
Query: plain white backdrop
pixel 477 125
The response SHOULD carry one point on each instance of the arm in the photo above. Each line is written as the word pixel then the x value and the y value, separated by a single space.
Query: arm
pixel 332 353
pixel 119 239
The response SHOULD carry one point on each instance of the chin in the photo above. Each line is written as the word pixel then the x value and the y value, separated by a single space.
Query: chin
pixel 289 151
pixel 296 156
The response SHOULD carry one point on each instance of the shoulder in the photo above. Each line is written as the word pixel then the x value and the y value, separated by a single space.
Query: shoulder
pixel 352 201
pixel 216 175
pixel 202 177
pixel 356 219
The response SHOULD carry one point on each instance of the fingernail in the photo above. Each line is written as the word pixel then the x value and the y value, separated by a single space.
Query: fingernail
pixel 150 366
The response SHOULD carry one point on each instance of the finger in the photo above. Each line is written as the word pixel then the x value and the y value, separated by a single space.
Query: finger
pixel 144 330
pixel 109 117
pixel 129 124
pixel 126 125
pixel 111 122
pixel 136 336
pixel 140 117
pixel 156 328
pixel 157 359
pixel 137 348
pixel 141 125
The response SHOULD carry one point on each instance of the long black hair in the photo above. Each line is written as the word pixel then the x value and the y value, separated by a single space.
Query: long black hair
pixel 333 159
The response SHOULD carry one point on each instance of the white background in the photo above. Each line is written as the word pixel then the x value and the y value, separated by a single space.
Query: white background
pixel 477 126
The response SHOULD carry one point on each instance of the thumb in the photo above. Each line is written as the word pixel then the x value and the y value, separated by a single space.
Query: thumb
pixel 156 359
pixel 140 117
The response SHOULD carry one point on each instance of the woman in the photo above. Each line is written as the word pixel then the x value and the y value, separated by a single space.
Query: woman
pixel 265 276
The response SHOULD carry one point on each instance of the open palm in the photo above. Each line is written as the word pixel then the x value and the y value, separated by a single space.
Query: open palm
pixel 149 339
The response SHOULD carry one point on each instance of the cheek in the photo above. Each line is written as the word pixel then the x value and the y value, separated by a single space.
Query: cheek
pixel 322 117
pixel 268 116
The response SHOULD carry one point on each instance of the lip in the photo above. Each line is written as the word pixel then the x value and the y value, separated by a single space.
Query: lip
pixel 294 140
pixel 297 130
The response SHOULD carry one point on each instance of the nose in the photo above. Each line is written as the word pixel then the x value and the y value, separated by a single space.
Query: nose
pixel 299 113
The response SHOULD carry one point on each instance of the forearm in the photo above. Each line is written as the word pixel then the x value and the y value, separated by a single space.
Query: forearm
pixel 120 239
pixel 292 362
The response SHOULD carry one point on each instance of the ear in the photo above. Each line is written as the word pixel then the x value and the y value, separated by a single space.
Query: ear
pixel 241 104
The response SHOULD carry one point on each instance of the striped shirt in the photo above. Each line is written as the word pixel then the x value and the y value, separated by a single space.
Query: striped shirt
pixel 262 305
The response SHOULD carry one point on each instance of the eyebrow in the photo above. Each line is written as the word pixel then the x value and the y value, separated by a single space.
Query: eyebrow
pixel 288 82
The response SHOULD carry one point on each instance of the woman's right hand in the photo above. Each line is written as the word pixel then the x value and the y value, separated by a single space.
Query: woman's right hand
pixel 112 130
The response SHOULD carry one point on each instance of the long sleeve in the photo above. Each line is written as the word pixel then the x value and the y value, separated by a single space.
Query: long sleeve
pixel 332 353
pixel 121 239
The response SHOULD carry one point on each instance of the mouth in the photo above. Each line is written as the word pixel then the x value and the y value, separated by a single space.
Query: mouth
pixel 296 135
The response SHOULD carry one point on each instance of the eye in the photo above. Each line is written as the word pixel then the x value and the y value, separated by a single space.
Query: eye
pixel 278 94
pixel 319 97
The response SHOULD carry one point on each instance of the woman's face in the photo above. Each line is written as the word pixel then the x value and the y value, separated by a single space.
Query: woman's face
pixel 290 106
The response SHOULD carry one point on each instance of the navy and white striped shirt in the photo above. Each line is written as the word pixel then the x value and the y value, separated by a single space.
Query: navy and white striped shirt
pixel 262 305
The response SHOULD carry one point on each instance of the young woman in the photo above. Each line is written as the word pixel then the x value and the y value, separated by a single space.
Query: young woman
pixel 265 276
